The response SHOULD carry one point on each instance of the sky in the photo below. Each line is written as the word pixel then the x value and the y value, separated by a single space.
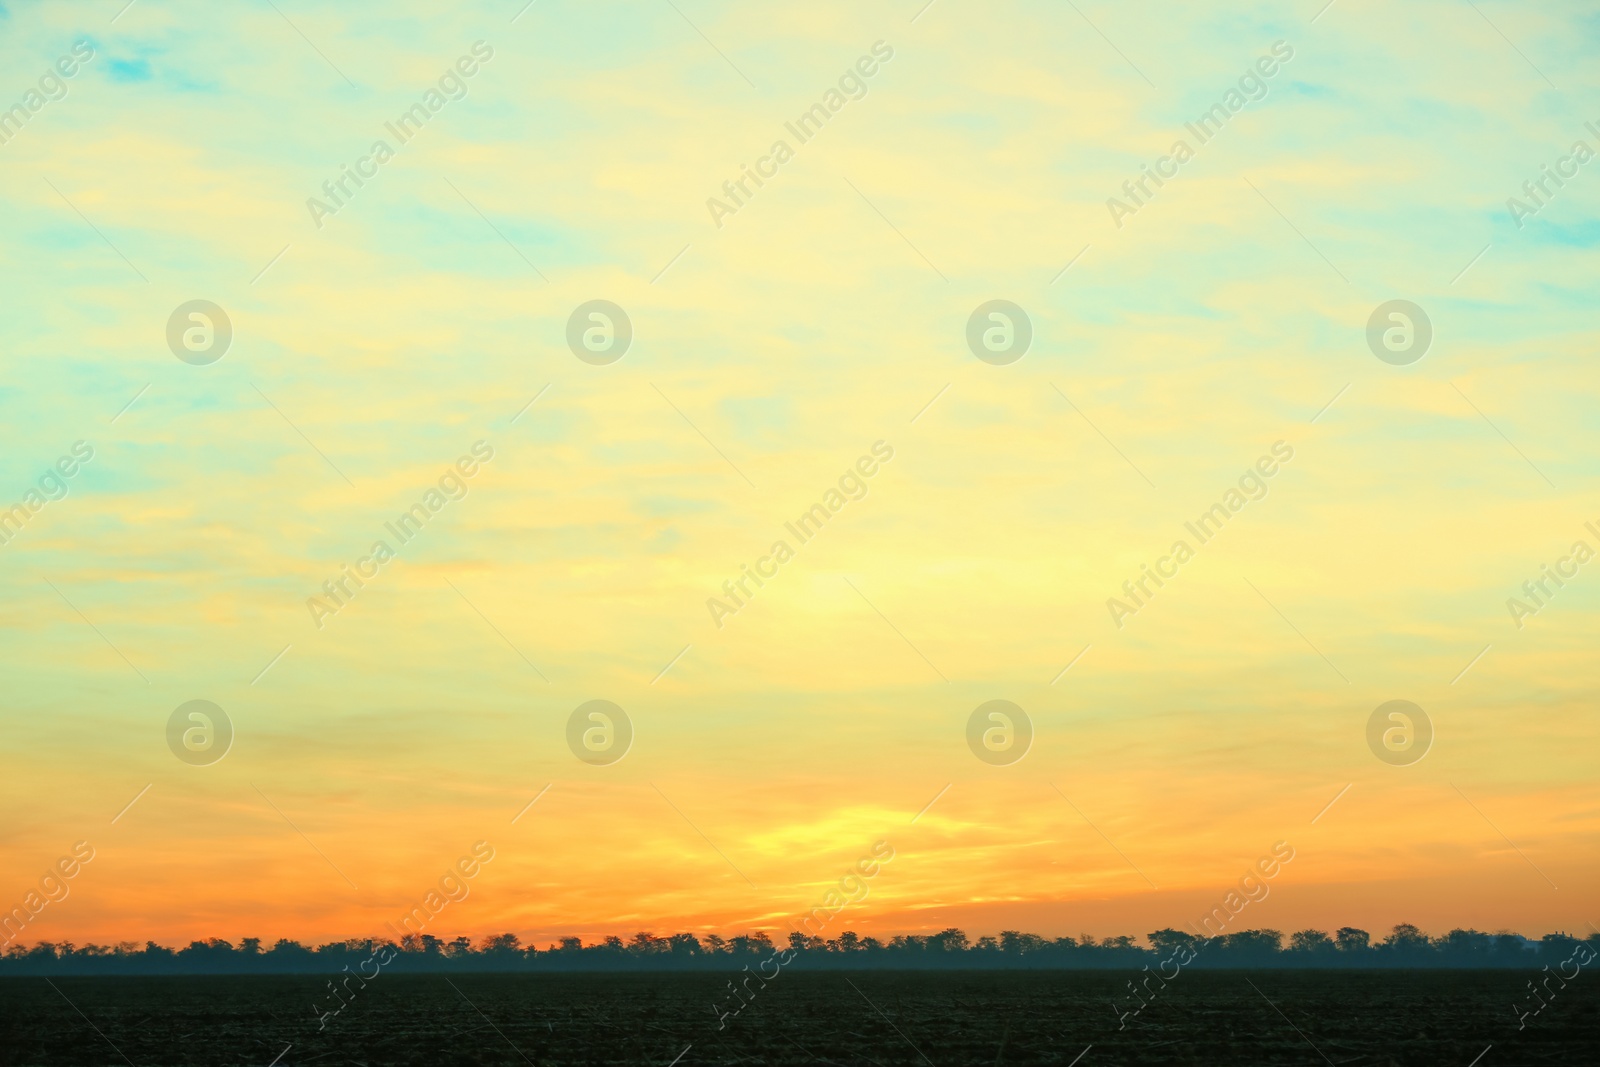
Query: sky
pixel 1183 338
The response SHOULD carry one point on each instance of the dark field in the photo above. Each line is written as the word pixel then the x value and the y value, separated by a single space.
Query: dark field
pixel 1011 1017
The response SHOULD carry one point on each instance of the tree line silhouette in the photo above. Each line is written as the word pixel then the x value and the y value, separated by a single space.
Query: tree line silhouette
pixel 1404 947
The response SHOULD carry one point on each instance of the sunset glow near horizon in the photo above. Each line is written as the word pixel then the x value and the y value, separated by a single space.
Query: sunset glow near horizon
pixel 807 523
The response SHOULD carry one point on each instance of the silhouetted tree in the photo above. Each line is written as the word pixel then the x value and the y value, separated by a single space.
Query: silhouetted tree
pixel 684 945
pixel 1405 940
pixel 1405 946
pixel 1508 945
pixel 1252 944
pixel 1556 946
pixel 499 944
pixel 1351 939
pixel 1168 942
pixel 1310 941
pixel 1013 943
pixel 1462 946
